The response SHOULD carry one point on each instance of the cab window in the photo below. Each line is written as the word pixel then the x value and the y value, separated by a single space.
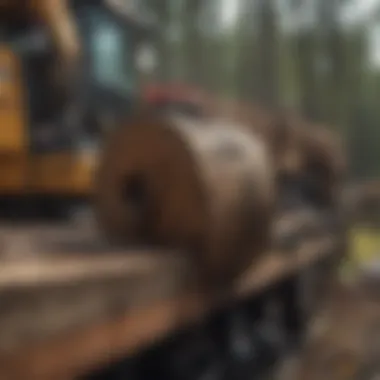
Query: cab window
pixel 108 47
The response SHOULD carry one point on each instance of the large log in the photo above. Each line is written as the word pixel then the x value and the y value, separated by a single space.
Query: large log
pixel 205 186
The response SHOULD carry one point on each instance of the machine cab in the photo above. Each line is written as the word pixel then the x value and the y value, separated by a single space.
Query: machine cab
pixel 109 78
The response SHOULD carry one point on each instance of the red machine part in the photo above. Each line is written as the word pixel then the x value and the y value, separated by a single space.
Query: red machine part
pixel 175 96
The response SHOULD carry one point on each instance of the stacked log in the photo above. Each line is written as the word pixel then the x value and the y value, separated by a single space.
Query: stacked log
pixel 309 158
pixel 309 163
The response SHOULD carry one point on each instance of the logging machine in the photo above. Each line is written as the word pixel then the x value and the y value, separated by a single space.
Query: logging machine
pixel 212 281
pixel 67 68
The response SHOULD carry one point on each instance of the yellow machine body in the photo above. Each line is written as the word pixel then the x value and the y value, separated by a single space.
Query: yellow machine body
pixel 67 172
pixel 13 135
pixel 25 169
pixel 63 173
pixel 12 115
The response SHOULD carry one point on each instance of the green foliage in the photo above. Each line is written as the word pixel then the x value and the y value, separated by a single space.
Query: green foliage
pixel 281 53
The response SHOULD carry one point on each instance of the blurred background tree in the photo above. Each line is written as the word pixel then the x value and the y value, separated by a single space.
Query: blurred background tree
pixel 321 57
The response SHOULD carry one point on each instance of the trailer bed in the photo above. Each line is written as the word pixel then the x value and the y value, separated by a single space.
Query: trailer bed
pixel 70 303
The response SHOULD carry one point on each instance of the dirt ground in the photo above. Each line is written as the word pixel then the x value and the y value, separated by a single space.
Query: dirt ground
pixel 344 343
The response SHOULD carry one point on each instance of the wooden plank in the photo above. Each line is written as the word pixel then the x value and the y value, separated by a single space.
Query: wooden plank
pixel 278 265
pixel 34 272
pixel 79 351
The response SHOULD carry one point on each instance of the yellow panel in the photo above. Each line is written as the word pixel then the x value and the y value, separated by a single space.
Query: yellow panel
pixel 364 245
pixel 63 173
pixel 12 112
